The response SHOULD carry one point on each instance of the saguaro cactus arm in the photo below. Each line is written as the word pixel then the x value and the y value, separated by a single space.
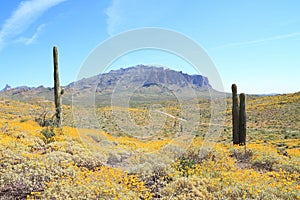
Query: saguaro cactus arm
pixel 57 90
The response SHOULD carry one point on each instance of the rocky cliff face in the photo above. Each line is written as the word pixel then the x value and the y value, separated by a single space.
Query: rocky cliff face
pixel 145 76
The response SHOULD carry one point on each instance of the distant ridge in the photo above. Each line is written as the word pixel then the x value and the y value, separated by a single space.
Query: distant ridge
pixel 146 79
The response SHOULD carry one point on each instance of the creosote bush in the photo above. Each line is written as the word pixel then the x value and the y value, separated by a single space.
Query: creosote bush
pixel 48 134
pixel 242 154
pixel 189 159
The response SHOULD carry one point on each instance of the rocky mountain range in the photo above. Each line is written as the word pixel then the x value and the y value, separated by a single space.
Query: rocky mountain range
pixel 140 79
pixel 148 75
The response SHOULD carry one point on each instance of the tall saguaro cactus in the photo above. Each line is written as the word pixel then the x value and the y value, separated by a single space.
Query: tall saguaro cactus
pixel 235 115
pixel 57 90
pixel 242 126
pixel 239 126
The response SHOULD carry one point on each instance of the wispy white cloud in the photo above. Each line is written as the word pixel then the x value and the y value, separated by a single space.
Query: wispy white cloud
pixel 113 17
pixel 257 42
pixel 123 15
pixel 32 39
pixel 21 19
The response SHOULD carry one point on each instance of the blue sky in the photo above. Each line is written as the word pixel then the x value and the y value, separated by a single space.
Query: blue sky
pixel 255 44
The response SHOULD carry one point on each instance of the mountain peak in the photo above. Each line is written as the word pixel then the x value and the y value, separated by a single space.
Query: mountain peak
pixel 6 88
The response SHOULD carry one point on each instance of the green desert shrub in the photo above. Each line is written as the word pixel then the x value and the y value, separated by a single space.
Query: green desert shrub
pixel 48 134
